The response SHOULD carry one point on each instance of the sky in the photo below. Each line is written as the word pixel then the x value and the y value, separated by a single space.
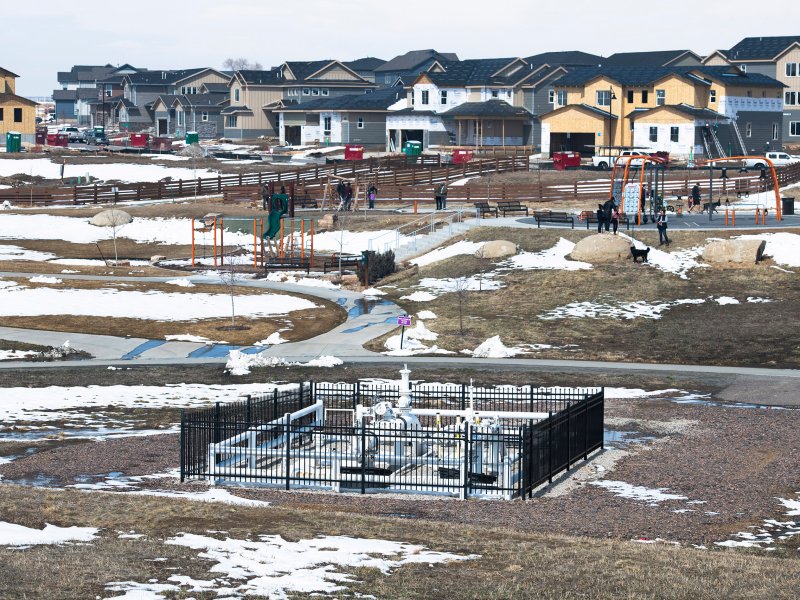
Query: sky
pixel 52 35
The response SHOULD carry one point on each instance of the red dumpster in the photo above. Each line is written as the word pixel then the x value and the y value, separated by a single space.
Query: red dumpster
pixel 352 152
pixel 58 139
pixel 562 160
pixel 662 154
pixel 139 140
pixel 41 136
pixel 162 144
pixel 462 156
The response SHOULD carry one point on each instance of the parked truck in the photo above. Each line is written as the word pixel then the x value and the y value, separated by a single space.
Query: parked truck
pixel 778 159
pixel 606 156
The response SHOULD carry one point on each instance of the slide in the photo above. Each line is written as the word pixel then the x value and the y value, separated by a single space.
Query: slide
pixel 277 208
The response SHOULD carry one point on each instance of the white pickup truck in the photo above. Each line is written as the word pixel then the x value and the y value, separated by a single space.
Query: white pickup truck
pixel 605 160
pixel 779 159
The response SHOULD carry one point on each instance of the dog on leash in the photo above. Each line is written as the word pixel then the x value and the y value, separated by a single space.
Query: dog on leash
pixel 710 206
pixel 637 253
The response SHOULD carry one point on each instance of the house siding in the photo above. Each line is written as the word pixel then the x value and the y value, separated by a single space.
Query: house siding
pixel 761 139
pixel 372 134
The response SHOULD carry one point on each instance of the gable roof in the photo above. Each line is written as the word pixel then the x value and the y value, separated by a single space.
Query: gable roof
pixel 480 72
pixel 574 58
pixel 661 58
pixel 415 59
pixel 498 109
pixel 761 48
pixel 85 73
pixel 368 63
pixel 379 100
pixel 597 112
pixel 5 97
pixel 200 100
pixel 633 76
pixel 162 77
pixel 7 73
pixel 215 88
pixel 303 72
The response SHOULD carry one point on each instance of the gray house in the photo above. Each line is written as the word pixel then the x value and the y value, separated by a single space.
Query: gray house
pixel 177 114
pixel 406 67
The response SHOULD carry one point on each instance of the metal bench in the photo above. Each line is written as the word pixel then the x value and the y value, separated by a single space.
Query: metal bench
pixel 553 217
pixel 332 263
pixel 484 208
pixel 511 206
pixel 287 264
pixel 592 219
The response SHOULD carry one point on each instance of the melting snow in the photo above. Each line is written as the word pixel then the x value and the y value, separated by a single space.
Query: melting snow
pixel 639 493
pixel 494 348
pixel 783 247
pixel 240 363
pixel 19 535
pixel 426 314
pixel 553 258
pixel 462 247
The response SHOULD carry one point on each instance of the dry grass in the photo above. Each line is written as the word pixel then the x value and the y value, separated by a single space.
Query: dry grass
pixel 742 334
pixel 299 325
pixel 511 564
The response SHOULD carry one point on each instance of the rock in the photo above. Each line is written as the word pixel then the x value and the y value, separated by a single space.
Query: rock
pixel 742 252
pixel 111 218
pixel 496 249
pixel 602 248
pixel 327 223
pixel 157 257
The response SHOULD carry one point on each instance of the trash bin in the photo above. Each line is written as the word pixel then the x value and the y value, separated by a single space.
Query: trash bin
pixel 562 160
pixel 787 206
pixel 412 148
pixel 13 141
pixel 41 136
pixel 139 140
pixel 192 137
pixel 462 156
pixel 353 152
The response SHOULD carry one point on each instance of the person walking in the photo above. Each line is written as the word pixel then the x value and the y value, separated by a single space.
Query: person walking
pixel 438 197
pixel 265 196
pixel 443 195
pixel 694 199
pixel 348 196
pixel 340 191
pixel 661 225
pixel 615 219
pixel 600 218
pixel 372 193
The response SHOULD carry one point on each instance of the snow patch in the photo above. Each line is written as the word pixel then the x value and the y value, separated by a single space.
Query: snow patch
pixel 19 535
pixel 638 493
pixel 553 258
pixel 494 348
pixel 462 247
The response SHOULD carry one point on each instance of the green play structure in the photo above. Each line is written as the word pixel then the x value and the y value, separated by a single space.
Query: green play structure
pixel 278 206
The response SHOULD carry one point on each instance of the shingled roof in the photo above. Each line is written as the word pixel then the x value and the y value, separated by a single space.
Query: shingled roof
pixel 368 63
pixel 479 72
pixel 162 77
pixel 569 58
pixel 661 58
pixel 761 48
pixel 633 76
pixel 494 109
pixel 379 100
pixel 415 58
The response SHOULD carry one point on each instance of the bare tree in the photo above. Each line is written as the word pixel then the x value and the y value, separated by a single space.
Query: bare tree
pixel 239 64
pixel 193 151
pixel 462 286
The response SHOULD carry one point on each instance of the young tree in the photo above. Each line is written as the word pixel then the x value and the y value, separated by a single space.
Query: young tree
pixel 462 286
pixel 193 151
pixel 239 64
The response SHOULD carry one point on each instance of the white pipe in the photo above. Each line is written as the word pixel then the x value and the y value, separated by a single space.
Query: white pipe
pixel 432 412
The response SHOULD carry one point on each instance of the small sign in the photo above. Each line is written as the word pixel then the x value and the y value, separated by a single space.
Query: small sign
pixel 405 321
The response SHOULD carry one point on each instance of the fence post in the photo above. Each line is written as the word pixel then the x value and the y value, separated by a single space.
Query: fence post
pixel 363 456
pixel 463 396
pixel 183 445
pixel 287 439
pixel 585 428
pixel 356 394
pixel 249 411
pixel 569 436
pixel 274 414
pixel 602 412
pixel 466 462
pixel 217 424
pixel 530 403
pixel 550 448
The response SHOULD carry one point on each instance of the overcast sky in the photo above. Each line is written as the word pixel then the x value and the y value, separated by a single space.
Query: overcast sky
pixel 48 36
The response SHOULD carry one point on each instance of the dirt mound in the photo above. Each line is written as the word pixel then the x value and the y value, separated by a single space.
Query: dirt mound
pixel 110 218
pixel 741 252
pixel 497 249
pixel 601 248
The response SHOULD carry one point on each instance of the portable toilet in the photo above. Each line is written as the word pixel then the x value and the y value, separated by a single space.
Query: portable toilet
pixel 13 141
pixel 192 137
pixel 412 148
pixel 353 152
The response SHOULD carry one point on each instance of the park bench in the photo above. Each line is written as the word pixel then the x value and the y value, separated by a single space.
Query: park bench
pixel 511 206
pixel 591 218
pixel 348 261
pixel 287 263
pixel 548 216
pixel 484 208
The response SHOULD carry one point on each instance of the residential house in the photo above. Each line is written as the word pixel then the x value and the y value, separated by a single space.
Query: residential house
pixel 685 110
pixel 567 58
pixel 201 113
pixel 254 96
pixel 659 58
pixel 17 113
pixel 777 57
pixel 134 111
pixel 81 85
pixel 406 67
pixel 347 119
pixel 365 67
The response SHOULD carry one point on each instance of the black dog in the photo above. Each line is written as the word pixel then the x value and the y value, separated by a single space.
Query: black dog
pixel 637 253
pixel 709 205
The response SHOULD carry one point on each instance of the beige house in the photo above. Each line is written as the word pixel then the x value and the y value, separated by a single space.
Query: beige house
pixel 17 114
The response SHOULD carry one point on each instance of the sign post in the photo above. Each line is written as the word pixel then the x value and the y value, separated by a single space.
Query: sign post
pixel 404 321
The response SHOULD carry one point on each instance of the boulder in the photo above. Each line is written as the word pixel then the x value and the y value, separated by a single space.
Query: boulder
pixel 327 223
pixel 111 218
pixel 602 248
pixel 157 258
pixel 738 251
pixel 496 249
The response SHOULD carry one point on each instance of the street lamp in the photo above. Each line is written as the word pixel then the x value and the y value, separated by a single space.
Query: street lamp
pixel 611 96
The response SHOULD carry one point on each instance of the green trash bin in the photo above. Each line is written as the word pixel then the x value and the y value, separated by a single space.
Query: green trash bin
pixel 13 141
pixel 412 148
pixel 192 137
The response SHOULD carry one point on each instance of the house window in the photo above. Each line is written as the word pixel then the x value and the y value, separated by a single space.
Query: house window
pixel 495 93
pixel 749 93
pixel 2 118
pixel 306 91
pixel 368 91
pixel 232 121
pixel 791 69
pixel 603 98
pixel 412 97
pixel 551 96
pixel 360 123
pixel 794 128
pixel 235 94
pixel 712 96
pixel 743 68
pixel 204 116
pixel 654 134
pixel 661 97
pixel 644 96
pixel 630 96
pixel 674 134
pixel 748 128
pixel 774 131
pixel 315 91
pixel 180 118
pixel 17 115
pixel 443 97
pixel 325 91
pixel 790 98
pixel 425 95
pixel 109 90
pixel 326 126
pixel 561 97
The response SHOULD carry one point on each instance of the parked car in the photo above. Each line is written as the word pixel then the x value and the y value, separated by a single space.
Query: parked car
pixel 96 139
pixel 779 159
pixel 605 160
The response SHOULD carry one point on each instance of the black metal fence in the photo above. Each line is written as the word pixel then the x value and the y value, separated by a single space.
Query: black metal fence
pixel 309 437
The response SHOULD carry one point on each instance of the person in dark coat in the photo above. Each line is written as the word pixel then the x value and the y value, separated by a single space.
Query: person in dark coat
pixel 340 191
pixel 443 195
pixel 661 225
pixel 348 196
pixel 438 197
pixel 694 199
pixel 265 196
pixel 372 193
pixel 608 208
pixel 600 218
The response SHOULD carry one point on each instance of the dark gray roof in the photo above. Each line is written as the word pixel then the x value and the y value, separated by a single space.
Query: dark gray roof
pixel 378 100
pixel 633 76
pixel 411 112
pixel 368 63
pixel 208 100
pixel 574 58
pixel 660 58
pixel 272 76
pixel 85 73
pixel 167 99
pixel 236 109
pixel 413 59
pixel 216 88
pixel 301 70
pixel 162 77
pixel 478 72
pixel 489 109
pixel 65 95
pixel 761 48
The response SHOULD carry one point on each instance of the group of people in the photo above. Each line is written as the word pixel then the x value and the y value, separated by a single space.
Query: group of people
pixel 608 217
pixel 440 195
pixel 345 192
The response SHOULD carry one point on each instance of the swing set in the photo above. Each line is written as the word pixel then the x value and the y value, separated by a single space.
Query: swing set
pixel 641 198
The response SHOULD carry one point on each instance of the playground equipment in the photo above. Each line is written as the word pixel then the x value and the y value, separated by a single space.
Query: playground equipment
pixel 278 207
pixel 774 176
pixel 641 198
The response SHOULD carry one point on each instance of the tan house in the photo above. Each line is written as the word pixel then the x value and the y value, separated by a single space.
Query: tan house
pixel 17 114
